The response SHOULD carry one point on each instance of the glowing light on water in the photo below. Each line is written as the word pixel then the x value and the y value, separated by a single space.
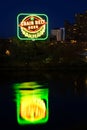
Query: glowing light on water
pixel 32 108
pixel 32 103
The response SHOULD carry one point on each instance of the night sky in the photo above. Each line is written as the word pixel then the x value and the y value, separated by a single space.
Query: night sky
pixel 57 11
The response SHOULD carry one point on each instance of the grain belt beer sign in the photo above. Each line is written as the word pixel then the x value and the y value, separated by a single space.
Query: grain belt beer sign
pixel 32 26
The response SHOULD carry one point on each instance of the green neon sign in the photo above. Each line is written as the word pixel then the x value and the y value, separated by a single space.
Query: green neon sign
pixel 32 103
pixel 32 26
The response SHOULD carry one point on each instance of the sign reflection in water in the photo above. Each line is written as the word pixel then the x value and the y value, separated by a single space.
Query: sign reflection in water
pixel 32 103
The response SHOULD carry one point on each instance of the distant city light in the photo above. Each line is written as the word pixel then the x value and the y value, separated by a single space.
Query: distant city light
pixel 7 52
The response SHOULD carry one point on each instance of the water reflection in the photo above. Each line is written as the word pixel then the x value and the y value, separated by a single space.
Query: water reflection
pixel 65 108
pixel 32 103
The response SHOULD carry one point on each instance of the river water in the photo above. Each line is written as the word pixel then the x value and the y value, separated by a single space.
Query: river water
pixel 67 99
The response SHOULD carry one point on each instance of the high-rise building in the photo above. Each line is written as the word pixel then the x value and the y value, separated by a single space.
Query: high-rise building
pixel 78 30
pixel 59 33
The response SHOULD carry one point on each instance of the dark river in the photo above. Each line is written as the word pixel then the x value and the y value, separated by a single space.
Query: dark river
pixel 67 99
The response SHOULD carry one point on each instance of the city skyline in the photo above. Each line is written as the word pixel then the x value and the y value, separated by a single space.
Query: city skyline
pixel 57 12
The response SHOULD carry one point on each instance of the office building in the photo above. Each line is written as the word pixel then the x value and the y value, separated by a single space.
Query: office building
pixel 59 34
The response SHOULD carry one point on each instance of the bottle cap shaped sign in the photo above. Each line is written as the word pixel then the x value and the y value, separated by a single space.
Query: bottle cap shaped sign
pixel 32 26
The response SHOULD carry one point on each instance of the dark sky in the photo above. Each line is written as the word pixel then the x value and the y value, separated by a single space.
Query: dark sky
pixel 57 11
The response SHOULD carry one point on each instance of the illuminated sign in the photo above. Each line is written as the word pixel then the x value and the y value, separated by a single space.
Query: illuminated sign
pixel 32 26
pixel 32 103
